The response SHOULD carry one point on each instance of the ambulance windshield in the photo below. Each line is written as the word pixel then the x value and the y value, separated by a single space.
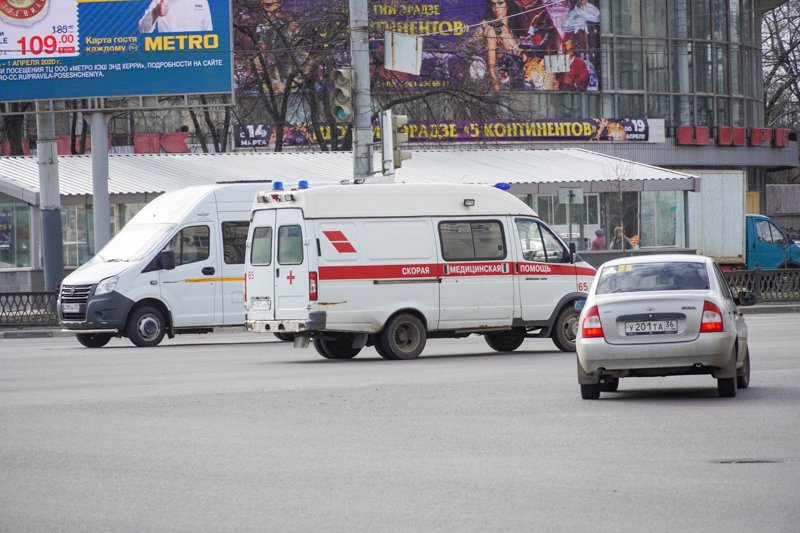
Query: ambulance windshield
pixel 134 242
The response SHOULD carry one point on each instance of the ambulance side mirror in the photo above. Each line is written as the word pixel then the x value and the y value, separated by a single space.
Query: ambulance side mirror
pixel 571 252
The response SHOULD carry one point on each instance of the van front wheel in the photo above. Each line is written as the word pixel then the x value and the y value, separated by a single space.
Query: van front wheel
pixel 146 327
pixel 403 337
pixel 93 340
pixel 565 330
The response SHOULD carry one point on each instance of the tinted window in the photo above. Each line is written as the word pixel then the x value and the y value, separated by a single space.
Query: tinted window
pixel 290 245
pixel 637 277
pixel 261 249
pixel 234 237
pixel 476 240
pixel 190 245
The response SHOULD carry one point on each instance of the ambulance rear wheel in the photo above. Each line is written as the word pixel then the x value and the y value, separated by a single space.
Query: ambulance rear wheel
pixel 376 343
pixel 504 341
pixel 146 327
pixel 403 337
pixel 565 330
pixel 339 348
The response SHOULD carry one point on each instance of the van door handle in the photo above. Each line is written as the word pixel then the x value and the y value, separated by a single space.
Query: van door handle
pixel 209 271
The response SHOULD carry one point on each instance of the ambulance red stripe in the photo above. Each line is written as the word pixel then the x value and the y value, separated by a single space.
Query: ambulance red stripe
pixel 433 270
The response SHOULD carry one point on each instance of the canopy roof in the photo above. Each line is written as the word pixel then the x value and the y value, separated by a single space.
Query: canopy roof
pixel 528 171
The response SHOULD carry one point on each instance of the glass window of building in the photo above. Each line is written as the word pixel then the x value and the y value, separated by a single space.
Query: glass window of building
pixel 682 67
pixel 703 68
pixel 723 112
pixel 735 24
pixel 15 232
pixel 720 20
pixel 682 110
pixel 566 105
pixel 655 17
pixel 736 71
pixel 627 17
pixel 737 112
pixel 607 61
pixel 721 66
pixel 679 20
pixel 657 66
pixel 705 111
pixel 701 19
pixel 630 105
pixel 629 64
pixel 657 106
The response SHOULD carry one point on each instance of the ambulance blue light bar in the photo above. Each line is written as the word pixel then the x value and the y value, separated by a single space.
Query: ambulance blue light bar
pixel 503 186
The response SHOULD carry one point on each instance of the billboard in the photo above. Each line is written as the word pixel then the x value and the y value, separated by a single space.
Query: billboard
pixel 481 45
pixel 60 49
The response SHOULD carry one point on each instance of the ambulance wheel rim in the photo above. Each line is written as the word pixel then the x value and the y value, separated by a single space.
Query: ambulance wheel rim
pixel 404 337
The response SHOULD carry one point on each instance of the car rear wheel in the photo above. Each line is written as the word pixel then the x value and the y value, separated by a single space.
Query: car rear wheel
pixel 566 329
pixel 146 327
pixel 504 341
pixel 93 340
pixel 403 337
pixel 743 378
pixel 339 348
pixel 591 391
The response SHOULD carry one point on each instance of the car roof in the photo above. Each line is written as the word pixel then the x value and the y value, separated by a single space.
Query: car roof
pixel 658 258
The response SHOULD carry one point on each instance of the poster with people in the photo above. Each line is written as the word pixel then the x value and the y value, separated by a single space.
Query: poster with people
pixel 489 45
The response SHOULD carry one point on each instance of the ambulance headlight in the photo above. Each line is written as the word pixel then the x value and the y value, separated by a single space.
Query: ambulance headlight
pixel 107 285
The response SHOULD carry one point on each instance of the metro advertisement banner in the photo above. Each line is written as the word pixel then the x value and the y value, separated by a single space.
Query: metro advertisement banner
pixel 55 49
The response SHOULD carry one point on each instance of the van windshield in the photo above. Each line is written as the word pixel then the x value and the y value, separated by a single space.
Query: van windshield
pixel 134 242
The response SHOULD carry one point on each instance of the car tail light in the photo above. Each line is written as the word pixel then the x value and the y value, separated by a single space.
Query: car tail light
pixel 591 326
pixel 312 286
pixel 712 318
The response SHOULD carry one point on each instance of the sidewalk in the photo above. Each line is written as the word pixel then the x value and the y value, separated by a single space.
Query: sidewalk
pixel 54 331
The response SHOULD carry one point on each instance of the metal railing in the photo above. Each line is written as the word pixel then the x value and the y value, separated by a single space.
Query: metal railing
pixel 776 285
pixel 22 309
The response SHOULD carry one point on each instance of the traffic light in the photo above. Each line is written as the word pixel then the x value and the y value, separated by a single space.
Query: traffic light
pixel 399 155
pixel 342 105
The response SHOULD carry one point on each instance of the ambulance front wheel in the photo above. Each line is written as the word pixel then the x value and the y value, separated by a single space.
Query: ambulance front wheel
pixel 403 337
pixel 146 326
pixel 565 330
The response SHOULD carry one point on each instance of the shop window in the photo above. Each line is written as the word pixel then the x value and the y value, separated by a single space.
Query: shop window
pixel 15 233
pixel 78 232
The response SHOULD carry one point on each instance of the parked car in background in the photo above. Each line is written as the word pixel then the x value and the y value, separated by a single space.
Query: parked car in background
pixel 662 315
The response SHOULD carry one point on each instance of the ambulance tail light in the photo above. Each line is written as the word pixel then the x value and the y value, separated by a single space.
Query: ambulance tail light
pixel 312 286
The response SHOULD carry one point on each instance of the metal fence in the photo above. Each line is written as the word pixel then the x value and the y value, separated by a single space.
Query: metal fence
pixel 777 285
pixel 22 309
pixel 25 309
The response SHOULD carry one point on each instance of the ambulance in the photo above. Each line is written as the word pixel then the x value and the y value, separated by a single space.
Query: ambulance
pixel 176 267
pixel 345 267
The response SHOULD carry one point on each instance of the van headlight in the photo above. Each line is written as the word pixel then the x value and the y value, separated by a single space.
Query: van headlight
pixel 107 285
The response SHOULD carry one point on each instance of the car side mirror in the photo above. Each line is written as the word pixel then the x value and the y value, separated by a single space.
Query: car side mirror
pixel 166 260
pixel 745 298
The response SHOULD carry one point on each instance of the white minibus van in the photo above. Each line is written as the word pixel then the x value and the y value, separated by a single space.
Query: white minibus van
pixel 176 267
pixel 391 265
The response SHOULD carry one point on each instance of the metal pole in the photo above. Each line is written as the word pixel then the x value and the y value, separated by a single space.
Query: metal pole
pixel 49 198
pixel 362 100
pixel 100 208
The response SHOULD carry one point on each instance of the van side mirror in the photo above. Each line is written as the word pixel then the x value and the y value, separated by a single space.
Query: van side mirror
pixel 165 260
pixel 745 298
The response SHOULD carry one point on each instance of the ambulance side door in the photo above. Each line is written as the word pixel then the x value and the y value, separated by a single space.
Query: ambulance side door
pixel 543 269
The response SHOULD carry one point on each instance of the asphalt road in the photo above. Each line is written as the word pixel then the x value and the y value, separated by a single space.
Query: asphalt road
pixel 237 432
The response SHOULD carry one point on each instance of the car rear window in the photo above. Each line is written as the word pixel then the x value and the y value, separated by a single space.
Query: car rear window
pixel 638 277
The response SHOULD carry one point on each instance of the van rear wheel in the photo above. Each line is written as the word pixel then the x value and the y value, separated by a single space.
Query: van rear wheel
pixel 403 337
pixel 339 348
pixel 565 330
pixel 146 327
pixel 93 340
pixel 504 341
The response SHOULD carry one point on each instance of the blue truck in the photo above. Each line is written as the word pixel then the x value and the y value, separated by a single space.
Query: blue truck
pixel 767 245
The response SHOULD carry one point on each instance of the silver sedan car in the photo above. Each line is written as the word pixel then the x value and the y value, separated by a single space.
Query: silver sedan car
pixel 661 315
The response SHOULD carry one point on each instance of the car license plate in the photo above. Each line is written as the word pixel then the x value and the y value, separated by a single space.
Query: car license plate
pixel 70 308
pixel 261 304
pixel 651 327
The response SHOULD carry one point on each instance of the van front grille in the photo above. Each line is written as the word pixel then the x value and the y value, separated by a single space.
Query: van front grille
pixel 75 294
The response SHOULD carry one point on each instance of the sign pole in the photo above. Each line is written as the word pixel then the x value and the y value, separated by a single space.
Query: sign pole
pixel 49 198
pixel 100 203
pixel 362 100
